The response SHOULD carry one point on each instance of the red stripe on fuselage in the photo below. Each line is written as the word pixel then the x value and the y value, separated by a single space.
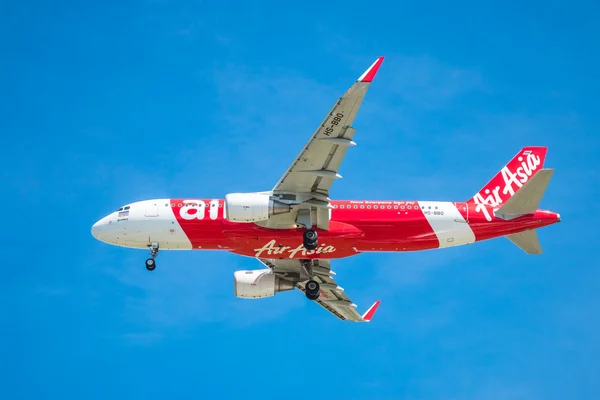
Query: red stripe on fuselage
pixel 355 226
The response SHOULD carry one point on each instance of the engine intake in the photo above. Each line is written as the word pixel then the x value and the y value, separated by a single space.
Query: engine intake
pixel 252 207
pixel 259 283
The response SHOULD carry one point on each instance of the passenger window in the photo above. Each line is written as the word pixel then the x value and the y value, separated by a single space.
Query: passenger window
pixel 389 207
pixel 376 207
pixel 395 207
pixel 179 205
pixel 362 206
pixel 369 207
pixel 172 204
pixel 409 207
pixel 402 207
pixel 341 206
pixel 355 207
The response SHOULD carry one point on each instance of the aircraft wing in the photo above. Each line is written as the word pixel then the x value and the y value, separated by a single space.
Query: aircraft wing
pixel 332 297
pixel 316 167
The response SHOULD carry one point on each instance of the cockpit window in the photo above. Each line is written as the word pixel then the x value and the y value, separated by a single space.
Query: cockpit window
pixel 120 209
pixel 126 208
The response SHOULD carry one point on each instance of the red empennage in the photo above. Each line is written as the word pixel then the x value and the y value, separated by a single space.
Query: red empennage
pixel 512 177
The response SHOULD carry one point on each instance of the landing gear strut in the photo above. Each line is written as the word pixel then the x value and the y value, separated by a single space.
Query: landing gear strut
pixel 310 239
pixel 313 290
pixel 151 263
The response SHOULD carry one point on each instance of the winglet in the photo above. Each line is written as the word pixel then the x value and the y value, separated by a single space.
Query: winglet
pixel 370 73
pixel 371 311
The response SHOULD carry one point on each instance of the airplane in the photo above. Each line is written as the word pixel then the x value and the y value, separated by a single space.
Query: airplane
pixel 295 230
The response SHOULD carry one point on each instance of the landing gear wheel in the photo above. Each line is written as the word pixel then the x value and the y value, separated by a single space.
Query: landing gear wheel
pixel 313 290
pixel 310 239
pixel 310 246
pixel 150 264
pixel 310 235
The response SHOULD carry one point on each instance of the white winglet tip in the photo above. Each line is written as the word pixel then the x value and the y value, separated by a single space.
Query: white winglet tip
pixel 371 311
pixel 370 73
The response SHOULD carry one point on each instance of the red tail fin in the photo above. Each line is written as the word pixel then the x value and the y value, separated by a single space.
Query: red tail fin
pixel 510 179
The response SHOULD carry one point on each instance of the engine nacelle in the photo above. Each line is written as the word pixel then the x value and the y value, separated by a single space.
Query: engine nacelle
pixel 259 283
pixel 252 207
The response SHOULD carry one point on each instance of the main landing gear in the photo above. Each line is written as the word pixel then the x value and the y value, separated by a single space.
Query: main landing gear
pixel 151 263
pixel 313 290
pixel 310 239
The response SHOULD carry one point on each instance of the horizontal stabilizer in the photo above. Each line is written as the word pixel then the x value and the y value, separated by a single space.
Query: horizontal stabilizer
pixel 529 196
pixel 526 241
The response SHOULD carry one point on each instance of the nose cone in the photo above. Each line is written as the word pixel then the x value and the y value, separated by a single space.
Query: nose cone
pixel 99 229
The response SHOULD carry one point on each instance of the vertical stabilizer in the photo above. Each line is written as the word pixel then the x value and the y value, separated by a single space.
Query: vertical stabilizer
pixel 512 177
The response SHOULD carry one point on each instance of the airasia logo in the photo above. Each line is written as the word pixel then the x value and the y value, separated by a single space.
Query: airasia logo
pixel 272 249
pixel 512 182
pixel 192 209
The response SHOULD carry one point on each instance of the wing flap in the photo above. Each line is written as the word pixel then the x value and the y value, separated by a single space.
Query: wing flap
pixel 332 297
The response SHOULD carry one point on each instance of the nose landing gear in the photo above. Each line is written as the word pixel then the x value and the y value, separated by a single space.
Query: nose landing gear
pixel 151 263
pixel 310 239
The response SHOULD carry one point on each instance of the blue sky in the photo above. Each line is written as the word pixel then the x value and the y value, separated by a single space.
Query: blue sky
pixel 105 103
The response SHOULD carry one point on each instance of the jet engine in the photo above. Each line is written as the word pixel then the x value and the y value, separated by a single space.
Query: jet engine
pixel 259 283
pixel 252 207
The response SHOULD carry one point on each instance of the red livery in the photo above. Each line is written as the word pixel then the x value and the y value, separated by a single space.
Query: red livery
pixel 296 229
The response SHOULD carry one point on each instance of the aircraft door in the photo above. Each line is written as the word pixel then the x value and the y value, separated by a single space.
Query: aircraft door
pixel 463 209
pixel 151 209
